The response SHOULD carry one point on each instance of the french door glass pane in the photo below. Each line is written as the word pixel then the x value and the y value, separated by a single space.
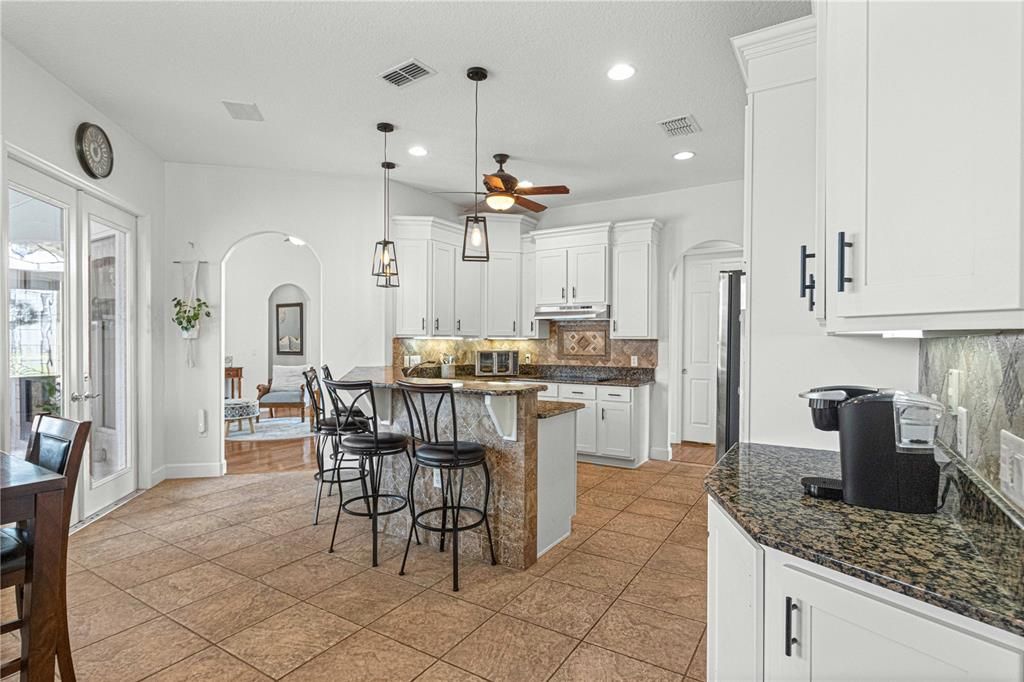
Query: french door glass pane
pixel 108 341
pixel 36 282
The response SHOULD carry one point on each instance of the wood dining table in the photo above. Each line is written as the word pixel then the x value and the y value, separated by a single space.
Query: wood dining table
pixel 31 493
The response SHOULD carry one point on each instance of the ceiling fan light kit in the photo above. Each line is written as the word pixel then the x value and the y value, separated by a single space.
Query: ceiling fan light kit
pixel 475 246
pixel 500 201
pixel 385 257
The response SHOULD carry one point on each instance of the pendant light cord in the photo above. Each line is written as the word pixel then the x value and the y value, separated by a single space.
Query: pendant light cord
pixel 387 192
pixel 476 143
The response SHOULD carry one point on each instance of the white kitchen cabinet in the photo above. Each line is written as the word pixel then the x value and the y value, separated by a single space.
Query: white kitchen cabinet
pixel 922 164
pixel 587 281
pixel 614 430
pixel 413 296
pixel 822 625
pixel 572 265
pixel 614 424
pixel 586 427
pixel 469 297
pixel 442 280
pixel 532 328
pixel 502 296
pixel 551 276
pixel 634 285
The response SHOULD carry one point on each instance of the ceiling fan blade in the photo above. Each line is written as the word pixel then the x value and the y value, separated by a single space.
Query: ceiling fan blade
pixel 494 183
pixel 547 189
pixel 480 193
pixel 530 205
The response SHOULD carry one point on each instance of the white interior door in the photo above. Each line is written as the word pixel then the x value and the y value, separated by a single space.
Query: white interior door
pixel 700 344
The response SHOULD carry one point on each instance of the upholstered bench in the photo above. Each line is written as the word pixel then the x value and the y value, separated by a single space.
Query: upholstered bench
pixel 237 409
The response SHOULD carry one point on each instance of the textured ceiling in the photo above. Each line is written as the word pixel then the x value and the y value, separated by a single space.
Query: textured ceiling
pixel 161 68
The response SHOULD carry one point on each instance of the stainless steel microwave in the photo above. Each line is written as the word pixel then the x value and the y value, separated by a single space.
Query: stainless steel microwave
pixel 497 363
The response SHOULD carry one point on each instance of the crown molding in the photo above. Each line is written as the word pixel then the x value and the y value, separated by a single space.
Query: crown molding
pixel 772 40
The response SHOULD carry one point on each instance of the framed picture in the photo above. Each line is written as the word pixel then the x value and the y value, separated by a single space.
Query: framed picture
pixel 289 328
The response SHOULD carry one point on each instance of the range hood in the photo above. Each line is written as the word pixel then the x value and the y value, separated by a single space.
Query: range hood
pixel 572 312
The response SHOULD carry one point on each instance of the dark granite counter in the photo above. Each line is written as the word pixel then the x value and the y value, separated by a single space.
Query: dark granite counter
pixel 553 408
pixel 387 377
pixel 931 557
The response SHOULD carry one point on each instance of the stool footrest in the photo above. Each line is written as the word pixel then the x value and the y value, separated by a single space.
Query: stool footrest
pixel 447 529
pixel 368 499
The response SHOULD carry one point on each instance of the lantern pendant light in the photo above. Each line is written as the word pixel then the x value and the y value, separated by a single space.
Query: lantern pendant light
pixel 475 246
pixel 385 259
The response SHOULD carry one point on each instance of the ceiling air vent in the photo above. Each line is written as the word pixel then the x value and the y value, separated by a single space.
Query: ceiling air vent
pixel 680 125
pixel 242 111
pixel 407 72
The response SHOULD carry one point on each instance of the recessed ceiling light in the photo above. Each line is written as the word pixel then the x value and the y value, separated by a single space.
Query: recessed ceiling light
pixel 525 183
pixel 417 150
pixel 621 72
pixel 683 156
pixel 295 241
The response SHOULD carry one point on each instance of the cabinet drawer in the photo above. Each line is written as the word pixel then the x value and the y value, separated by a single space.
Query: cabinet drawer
pixel 577 392
pixel 550 392
pixel 616 394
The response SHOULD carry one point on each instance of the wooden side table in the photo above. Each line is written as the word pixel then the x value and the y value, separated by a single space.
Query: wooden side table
pixel 234 375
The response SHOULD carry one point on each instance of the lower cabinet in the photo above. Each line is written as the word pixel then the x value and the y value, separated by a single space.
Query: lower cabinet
pixel 586 428
pixel 612 428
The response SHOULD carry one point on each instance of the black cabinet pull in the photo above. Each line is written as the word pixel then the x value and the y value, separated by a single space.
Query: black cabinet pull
pixel 843 245
pixel 513 326
pixel 563 292
pixel 423 323
pixel 790 639
pixel 602 414
pixel 574 293
pixel 437 323
pixel 458 325
pixel 531 326
pixel 615 395
pixel 806 282
pixel 615 325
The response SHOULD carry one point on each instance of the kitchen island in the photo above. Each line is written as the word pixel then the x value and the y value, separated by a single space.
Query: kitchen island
pixel 527 516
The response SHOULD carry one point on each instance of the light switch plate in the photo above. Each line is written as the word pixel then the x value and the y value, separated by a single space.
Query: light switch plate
pixel 1011 466
pixel 962 426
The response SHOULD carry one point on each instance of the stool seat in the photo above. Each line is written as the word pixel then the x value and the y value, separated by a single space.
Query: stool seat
pixel 443 454
pixel 365 441
pixel 357 422
pixel 12 549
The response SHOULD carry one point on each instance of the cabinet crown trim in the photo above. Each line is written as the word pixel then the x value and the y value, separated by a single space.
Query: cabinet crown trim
pixel 426 227
pixel 772 40
pixel 590 229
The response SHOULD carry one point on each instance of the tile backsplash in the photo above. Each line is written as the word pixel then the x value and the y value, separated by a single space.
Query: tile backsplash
pixel 990 386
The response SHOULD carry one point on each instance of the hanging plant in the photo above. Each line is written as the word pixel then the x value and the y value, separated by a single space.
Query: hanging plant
pixel 188 313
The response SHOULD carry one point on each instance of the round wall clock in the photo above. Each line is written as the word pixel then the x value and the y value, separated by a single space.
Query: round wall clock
pixel 94 151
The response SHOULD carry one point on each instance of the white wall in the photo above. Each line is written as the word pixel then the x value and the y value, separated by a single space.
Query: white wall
pixel 264 270
pixel 689 217
pixel 40 115
pixel 216 207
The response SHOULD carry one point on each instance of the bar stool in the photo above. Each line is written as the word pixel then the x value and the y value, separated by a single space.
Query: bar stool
pixel 372 446
pixel 329 429
pixel 449 457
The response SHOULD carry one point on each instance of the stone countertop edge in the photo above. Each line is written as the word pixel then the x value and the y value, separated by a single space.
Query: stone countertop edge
pixel 386 377
pixel 554 408
pixel 955 588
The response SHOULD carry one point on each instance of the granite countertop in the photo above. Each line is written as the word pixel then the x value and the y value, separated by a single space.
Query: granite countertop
pixel 553 408
pixel 930 557
pixel 387 377
pixel 623 382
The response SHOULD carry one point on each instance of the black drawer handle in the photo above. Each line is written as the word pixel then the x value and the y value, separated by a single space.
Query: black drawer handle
pixel 806 282
pixel 842 279
pixel 615 395
pixel 790 639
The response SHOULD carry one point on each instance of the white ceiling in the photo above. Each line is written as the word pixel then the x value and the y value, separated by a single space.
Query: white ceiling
pixel 161 68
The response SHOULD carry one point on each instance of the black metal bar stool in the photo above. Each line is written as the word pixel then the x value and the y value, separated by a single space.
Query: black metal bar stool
pixel 449 457
pixel 371 446
pixel 329 429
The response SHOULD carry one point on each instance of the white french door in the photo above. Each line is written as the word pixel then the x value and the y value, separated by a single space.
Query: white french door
pixel 70 290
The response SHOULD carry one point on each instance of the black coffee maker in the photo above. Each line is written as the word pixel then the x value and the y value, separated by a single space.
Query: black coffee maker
pixel 886 447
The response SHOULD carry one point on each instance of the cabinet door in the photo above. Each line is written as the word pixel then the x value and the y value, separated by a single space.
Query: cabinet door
pixel 411 297
pixel 932 211
pixel 588 274
pixel 534 329
pixel 551 277
pixel 443 290
pixel 502 295
pixel 631 306
pixel 614 429
pixel 843 633
pixel 586 427
pixel 469 297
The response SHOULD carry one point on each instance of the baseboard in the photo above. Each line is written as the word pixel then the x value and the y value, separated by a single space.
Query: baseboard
pixel 157 475
pixel 661 453
pixel 194 470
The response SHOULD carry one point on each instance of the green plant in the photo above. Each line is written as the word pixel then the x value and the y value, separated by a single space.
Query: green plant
pixel 188 313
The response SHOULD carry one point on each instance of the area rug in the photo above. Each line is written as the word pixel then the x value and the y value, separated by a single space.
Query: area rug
pixel 279 428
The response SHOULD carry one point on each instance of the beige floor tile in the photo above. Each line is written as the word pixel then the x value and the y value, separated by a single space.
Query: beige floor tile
pixel 160 515
pixel 284 521
pixel 285 641
pixel 592 572
pixel 365 597
pixel 587 480
pixel 86 586
pixel 690 534
pixel 698 512
pixel 640 526
pixel 431 622
pixel 137 652
pixel 425 567
pixel 506 649
pixel 588 663
pixel 319 537
pixel 628 548
pixel 670 511
pixel 489 586
pixel 604 498
pixel 364 656
pixel 579 535
pixel 142 568
pixel 100 618
pixel 560 607
pixel 669 592
pixel 653 636
pixel 229 611
pixel 548 560
pixel 446 672
pixel 101 529
pixel 264 557
pixel 182 529
pixel 624 486
pixel 689 561
pixel 173 591
pixel 671 492
pixel 93 554
pixel 220 542
pixel 209 664
pixel 310 575
pixel 73 568
pixel 359 548
pixel 592 515
pixel 143 503
pixel 660 466
pixel 698 669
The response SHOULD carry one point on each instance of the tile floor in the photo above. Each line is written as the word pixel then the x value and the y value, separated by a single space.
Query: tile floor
pixel 210 579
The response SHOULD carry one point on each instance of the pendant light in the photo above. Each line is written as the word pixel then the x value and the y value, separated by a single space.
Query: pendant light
pixel 385 260
pixel 475 246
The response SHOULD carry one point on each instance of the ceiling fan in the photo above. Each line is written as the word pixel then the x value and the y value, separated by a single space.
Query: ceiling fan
pixel 504 189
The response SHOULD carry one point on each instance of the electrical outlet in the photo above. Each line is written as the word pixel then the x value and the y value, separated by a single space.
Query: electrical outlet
pixel 961 431
pixel 437 478
pixel 634 361
pixel 528 359
pixel 953 389
pixel 415 360
pixel 1011 466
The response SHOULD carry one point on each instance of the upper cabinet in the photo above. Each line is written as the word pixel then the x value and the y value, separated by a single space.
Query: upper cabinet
pixel 532 327
pixel 443 289
pixel 635 248
pixel 572 265
pixel 412 302
pixel 502 316
pixel 469 297
pixel 587 274
pixel 551 276
pixel 921 163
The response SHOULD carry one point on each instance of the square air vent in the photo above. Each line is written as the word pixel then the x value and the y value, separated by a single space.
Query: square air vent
pixel 680 125
pixel 242 111
pixel 407 72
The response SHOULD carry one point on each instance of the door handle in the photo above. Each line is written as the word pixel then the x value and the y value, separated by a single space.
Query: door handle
pixel 842 279
pixel 806 283
pixel 790 639
pixel 81 397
